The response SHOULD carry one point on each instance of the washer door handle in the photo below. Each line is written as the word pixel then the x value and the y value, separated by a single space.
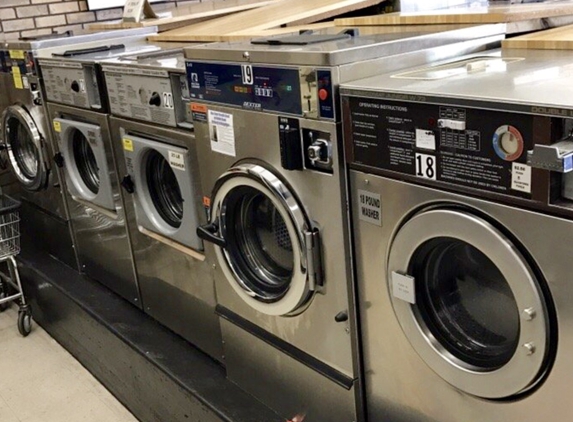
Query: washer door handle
pixel 208 233
pixel 127 184
pixel 59 159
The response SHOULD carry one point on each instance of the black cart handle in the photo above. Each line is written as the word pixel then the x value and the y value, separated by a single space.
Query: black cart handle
pixel 208 233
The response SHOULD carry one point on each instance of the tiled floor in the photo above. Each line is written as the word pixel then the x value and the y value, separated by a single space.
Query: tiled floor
pixel 41 382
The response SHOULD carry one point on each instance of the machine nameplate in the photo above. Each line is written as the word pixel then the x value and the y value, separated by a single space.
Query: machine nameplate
pixel 60 64
pixel 177 160
pixel 136 71
pixel 222 132
pixel 369 207
pixel 407 138
pixel 249 86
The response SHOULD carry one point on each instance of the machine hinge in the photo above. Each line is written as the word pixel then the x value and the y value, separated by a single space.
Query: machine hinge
pixel 313 258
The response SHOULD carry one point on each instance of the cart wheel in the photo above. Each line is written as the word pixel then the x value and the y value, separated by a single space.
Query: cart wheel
pixel 24 322
pixel 3 295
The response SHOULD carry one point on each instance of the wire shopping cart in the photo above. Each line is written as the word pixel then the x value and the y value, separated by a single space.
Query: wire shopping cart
pixel 10 285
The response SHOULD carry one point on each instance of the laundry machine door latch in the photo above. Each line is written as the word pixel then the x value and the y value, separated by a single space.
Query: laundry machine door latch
pixel 209 232
pixel 59 159
pixel 313 258
pixel 127 184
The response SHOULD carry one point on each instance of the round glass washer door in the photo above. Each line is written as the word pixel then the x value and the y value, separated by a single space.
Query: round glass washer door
pixel 164 191
pixel 86 171
pixel 24 147
pixel 477 316
pixel 264 228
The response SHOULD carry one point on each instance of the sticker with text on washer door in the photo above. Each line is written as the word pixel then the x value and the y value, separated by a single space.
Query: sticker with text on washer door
pixel 521 177
pixel 370 207
pixel 426 166
pixel 222 132
pixel 404 287
pixel 177 160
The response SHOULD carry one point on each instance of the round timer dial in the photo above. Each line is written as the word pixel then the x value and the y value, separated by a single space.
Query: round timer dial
pixel 508 143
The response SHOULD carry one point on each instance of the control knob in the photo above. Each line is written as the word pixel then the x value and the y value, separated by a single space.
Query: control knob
pixel 155 99
pixel 75 86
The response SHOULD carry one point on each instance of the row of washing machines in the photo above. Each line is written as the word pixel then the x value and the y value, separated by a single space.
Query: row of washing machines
pixel 358 228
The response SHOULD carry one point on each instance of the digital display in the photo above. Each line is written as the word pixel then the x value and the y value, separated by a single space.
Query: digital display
pixel 263 92
pixel 248 86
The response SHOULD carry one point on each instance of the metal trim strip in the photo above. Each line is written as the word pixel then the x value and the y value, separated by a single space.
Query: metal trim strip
pixel 288 349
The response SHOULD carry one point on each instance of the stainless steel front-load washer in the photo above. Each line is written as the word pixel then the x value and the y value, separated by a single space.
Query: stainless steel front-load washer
pixel 271 163
pixel 7 180
pixel 79 115
pixel 460 184
pixel 156 159
pixel 28 142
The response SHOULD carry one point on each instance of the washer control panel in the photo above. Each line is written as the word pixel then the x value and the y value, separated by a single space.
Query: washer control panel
pixel 149 95
pixel 464 146
pixel 300 91
pixel 73 84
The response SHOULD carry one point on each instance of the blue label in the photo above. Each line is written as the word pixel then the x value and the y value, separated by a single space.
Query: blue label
pixel 251 87
pixel 568 163
pixel 325 94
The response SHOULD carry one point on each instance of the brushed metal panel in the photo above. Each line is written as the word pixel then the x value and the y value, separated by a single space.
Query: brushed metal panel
pixel 102 243
pixel 176 289
pixel 399 385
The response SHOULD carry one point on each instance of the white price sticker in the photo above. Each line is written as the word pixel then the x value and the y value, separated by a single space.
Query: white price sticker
pixel 521 177
pixel 426 166
pixel 425 139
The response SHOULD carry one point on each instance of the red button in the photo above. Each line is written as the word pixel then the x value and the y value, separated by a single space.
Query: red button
pixel 322 94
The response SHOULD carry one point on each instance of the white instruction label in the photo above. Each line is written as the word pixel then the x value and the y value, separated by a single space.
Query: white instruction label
pixel 222 132
pixel 425 139
pixel 370 207
pixel 177 160
pixel 404 287
pixel 521 177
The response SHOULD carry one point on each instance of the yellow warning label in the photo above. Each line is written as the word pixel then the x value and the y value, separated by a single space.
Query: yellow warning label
pixel 57 126
pixel 127 144
pixel 17 77
pixel 17 54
